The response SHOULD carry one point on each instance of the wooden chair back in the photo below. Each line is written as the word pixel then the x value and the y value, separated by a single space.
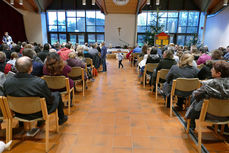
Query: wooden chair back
pixel 161 74
pixel 56 82
pixel 140 59
pixel 186 84
pixel 216 107
pixel 25 105
pixel 76 72
pixel 183 84
pixel 89 61
pixel 150 67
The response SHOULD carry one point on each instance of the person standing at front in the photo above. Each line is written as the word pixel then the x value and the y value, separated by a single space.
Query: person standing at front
pixel 7 39
pixel 103 56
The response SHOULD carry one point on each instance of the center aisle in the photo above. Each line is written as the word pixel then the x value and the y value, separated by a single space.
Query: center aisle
pixel 118 116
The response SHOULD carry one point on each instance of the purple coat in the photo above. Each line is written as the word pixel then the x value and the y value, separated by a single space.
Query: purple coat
pixel 65 72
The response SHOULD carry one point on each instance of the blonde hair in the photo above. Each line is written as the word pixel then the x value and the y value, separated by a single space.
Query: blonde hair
pixel 72 55
pixel 28 46
pixel 79 49
pixel 186 59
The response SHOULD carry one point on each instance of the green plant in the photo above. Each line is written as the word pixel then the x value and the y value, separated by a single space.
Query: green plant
pixel 194 41
pixel 153 30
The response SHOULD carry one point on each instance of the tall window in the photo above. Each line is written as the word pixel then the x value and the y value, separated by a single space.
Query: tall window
pixel 180 25
pixel 75 26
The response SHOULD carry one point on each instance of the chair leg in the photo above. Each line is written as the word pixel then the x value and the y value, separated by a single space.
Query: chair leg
pixel 166 102
pixel 69 103
pixel 156 90
pixel 144 80
pixel 216 128
pixel 199 137
pixel 83 86
pixel 47 134
pixel 188 125
pixel 222 129
pixel 171 106
pixel 57 121
pixel 9 131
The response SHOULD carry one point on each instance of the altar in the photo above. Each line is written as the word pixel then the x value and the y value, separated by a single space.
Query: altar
pixel 111 53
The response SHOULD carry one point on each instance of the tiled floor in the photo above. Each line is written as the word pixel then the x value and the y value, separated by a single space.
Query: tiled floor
pixel 116 115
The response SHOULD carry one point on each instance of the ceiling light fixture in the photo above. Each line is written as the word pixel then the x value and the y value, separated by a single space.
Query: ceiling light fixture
pixel 148 2
pixel 225 2
pixel 12 2
pixel 83 2
pixel 157 2
pixel 21 2
pixel 92 2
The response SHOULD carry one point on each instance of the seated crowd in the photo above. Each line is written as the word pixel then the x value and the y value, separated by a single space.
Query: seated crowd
pixel 23 65
pixel 185 62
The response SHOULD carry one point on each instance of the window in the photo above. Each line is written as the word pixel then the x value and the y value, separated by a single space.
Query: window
pixel 100 38
pixel 54 38
pixel 75 26
pixel 62 38
pixel 179 24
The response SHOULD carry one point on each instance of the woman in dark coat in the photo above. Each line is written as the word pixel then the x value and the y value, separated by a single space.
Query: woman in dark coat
pixel 184 70
pixel 166 63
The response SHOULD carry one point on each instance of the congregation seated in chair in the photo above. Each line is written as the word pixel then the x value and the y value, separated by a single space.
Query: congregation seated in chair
pixel 23 84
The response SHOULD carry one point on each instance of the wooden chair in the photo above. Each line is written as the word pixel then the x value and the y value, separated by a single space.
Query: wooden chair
pixel 89 63
pixel 161 75
pixel 216 107
pixel 61 83
pixel 134 57
pixel 77 74
pixel 29 105
pixel 183 84
pixel 5 117
pixel 150 68
pixel 139 59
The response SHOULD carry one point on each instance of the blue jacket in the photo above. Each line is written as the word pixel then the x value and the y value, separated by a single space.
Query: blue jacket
pixel 137 50
pixel 103 52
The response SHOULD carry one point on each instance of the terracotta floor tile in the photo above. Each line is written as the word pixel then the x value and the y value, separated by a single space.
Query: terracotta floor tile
pixel 142 150
pixel 102 140
pixel 142 142
pixel 122 141
pixel 119 150
pixel 105 129
pixel 123 130
pixel 140 131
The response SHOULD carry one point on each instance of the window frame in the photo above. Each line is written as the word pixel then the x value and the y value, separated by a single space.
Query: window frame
pixel 176 34
pixel 68 33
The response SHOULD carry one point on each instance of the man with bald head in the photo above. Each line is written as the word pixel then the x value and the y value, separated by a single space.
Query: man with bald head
pixel 23 84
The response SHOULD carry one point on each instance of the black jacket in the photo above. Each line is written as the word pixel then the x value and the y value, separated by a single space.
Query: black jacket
pixel 165 63
pixel 42 55
pixel 153 58
pixel 26 85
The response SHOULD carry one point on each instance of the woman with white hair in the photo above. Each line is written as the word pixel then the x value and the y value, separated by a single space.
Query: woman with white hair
pixel 184 69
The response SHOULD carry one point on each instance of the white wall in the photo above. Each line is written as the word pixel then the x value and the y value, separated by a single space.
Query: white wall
pixel 128 29
pixel 217 30
pixel 33 26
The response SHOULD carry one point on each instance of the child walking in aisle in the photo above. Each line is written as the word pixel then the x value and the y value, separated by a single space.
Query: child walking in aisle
pixel 120 57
